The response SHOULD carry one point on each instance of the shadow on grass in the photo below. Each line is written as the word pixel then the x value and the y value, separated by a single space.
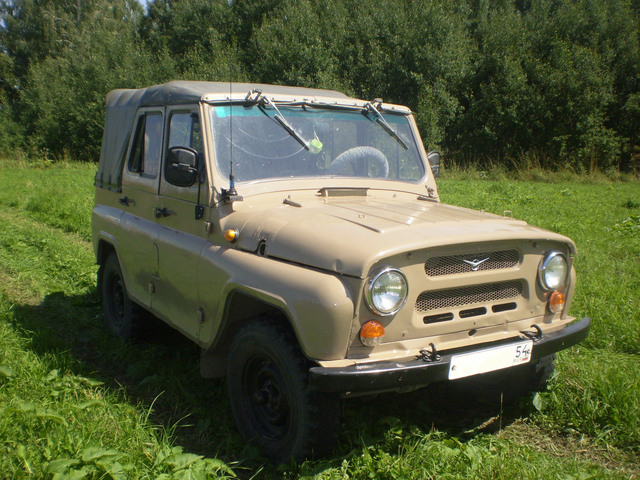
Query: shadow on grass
pixel 160 371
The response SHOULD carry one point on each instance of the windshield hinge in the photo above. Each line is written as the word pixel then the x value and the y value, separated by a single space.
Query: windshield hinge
pixel 255 91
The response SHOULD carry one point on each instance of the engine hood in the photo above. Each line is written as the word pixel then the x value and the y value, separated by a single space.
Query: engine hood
pixel 349 235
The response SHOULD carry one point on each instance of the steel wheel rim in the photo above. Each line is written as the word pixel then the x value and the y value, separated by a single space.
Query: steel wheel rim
pixel 265 398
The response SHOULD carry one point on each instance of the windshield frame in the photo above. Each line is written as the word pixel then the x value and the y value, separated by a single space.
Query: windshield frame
pixel 410 133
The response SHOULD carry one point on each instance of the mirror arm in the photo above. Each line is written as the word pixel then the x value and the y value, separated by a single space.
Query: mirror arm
pixel 199 210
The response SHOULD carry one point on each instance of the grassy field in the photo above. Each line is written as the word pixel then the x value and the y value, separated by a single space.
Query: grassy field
pixel 76 403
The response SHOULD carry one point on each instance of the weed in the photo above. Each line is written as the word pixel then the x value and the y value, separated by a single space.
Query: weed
pixel 628 226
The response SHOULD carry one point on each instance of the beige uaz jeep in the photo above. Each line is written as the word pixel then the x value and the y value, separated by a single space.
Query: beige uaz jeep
pixel 297 237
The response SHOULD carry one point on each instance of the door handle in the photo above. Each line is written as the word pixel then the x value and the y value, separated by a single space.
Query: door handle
pixel 161 212
pixel 124 201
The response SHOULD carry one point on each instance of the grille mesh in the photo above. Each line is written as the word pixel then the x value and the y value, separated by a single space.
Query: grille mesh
pixel 453 264
pixel 455 297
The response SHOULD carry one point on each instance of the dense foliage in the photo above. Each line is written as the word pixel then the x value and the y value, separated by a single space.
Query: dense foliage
pixel 550 82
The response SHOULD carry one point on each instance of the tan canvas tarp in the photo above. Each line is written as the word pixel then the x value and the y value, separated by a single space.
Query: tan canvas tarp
pixel 122 105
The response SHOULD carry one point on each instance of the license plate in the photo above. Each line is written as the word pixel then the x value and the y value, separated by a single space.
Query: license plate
pixel 490 359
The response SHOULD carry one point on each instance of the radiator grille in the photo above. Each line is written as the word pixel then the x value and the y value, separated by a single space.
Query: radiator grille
pixel 453 264
pixel 455 297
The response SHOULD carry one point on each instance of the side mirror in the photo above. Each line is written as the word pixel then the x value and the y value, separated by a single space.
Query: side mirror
pixel 182 165
pixel 434 161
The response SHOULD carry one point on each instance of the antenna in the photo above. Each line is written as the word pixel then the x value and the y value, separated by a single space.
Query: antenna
pixel 232 180
pixel 230 195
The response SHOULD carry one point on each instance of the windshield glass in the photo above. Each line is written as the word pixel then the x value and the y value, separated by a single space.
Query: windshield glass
pixel 324 142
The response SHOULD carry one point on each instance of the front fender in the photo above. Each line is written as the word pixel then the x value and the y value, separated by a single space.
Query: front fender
pixel 319 305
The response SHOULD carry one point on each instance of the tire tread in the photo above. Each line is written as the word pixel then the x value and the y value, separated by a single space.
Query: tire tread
pixel 320 416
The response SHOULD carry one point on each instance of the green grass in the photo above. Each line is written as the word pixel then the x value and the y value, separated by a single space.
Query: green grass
pixel 604 221
pixel 76 403
pixel 61 197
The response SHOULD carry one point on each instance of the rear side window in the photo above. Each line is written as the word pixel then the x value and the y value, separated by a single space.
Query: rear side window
pixel 147 145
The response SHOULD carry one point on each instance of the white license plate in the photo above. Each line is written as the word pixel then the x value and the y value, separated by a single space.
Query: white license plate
pixel 490 359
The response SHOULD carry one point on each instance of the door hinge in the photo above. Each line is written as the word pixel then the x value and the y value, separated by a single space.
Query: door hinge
pixel 161 212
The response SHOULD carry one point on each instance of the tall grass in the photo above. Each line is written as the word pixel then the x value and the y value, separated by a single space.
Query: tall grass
pixel 604 221
pixel 59 417
pixel 59 195
pixel 75 403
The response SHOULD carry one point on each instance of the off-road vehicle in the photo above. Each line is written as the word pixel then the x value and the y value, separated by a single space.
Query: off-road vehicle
pixel 297 236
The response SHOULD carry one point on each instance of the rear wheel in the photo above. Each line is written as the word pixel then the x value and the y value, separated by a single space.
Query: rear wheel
pixel 120 313
pixel 270 399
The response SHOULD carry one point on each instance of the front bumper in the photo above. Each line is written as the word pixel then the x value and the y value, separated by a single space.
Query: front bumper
pixel 390 376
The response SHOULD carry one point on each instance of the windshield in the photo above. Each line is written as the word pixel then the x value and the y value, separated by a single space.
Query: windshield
pixel 324 142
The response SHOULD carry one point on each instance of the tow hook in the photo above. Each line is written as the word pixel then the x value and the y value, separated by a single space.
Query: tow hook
pixel 429 356
pixel 535 335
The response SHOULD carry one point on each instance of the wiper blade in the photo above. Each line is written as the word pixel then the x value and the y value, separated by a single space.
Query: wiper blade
pixel 384 124
pixel 286 125
pixel 262 99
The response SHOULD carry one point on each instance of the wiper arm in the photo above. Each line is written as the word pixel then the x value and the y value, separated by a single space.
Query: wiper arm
pixel 259 97
pixel 384 124
pixel 286 125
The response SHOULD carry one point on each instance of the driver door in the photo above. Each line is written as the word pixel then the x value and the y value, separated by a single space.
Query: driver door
pixel 181 236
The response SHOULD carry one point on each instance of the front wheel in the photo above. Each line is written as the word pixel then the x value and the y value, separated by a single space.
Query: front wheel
pixel 267 381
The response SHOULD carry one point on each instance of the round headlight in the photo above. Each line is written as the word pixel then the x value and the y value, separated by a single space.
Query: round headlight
pixel 553 271
pixel 387 291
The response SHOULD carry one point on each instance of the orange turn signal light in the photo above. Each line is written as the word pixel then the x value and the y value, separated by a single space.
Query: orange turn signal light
pixel 556 302
pixel 231 235
pixel 371 333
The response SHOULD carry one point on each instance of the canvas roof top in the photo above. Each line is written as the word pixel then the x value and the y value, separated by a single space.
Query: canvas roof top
pixel 123 104
pixel 182 92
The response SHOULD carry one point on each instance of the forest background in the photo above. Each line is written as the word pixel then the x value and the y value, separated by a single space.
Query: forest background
pixel 550 83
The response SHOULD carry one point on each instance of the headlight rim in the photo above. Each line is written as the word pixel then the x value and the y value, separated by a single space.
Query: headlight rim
pixel 544 263
pixel 372 280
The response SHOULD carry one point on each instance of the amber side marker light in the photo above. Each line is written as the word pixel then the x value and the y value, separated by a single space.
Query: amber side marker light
pixel 371 333
pixel 231 235
pixel 556 302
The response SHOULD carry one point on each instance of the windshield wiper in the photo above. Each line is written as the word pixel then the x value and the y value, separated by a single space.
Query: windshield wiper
pixel 262 99
pixel 384 124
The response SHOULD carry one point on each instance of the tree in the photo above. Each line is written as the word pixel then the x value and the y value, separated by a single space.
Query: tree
pixel 64 96
pixel 199 35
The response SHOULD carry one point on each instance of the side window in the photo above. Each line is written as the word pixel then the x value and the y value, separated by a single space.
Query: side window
pixel 147 145
pixel 184 131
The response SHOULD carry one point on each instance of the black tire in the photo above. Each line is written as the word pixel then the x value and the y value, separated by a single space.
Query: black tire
pixel 541 371
pixel 267 382
pixel 120 313
pixel 505 387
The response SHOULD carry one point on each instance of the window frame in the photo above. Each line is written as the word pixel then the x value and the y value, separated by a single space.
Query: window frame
pixel 137 147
